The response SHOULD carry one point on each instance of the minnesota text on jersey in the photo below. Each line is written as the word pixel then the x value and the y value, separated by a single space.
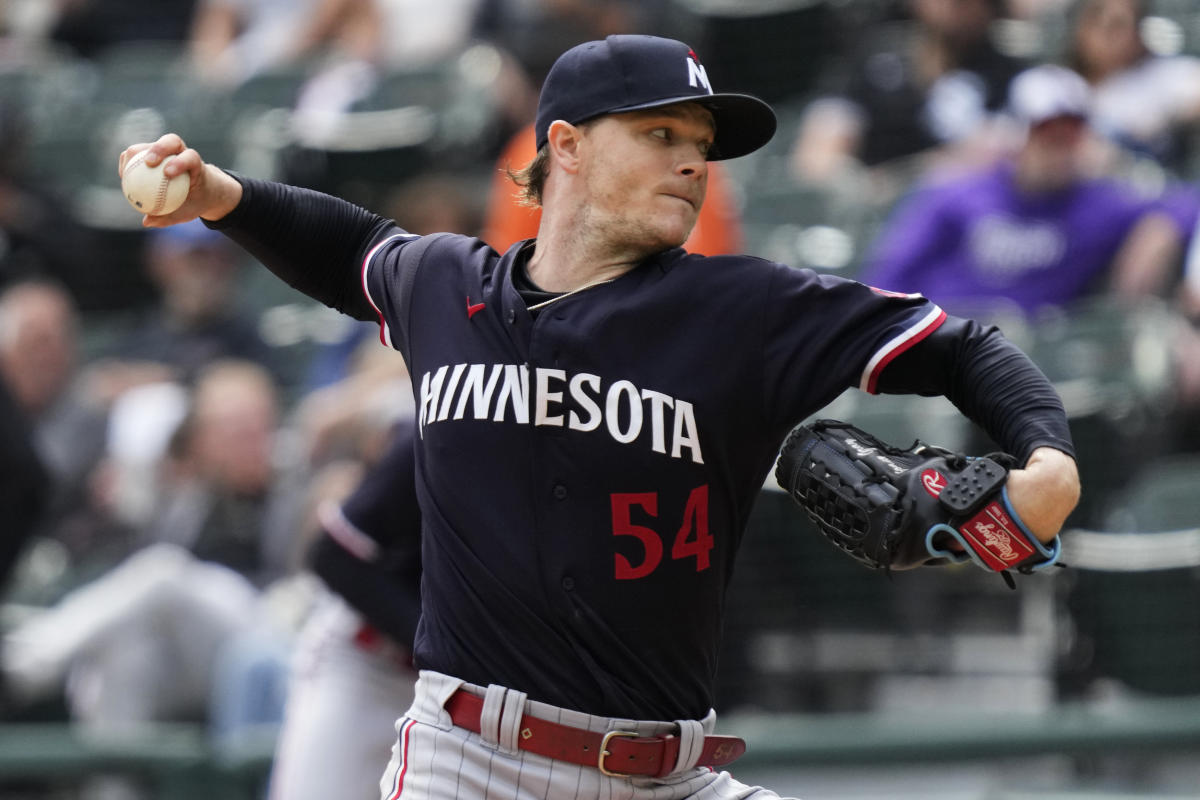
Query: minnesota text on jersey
pixel 621 409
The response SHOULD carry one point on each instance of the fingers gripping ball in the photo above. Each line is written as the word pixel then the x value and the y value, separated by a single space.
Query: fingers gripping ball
pixel 894 508
pixel 150 191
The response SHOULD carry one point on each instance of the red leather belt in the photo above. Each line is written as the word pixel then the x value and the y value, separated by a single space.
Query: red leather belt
pixel 619 753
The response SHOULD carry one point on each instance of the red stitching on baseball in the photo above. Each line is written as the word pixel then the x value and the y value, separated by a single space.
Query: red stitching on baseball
pixel 161 199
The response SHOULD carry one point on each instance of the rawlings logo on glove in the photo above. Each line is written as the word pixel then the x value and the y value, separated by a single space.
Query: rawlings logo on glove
pixel 893 509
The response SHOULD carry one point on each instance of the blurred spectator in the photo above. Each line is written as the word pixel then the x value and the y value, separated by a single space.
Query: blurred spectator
pixel 1147 103
pixel 325 58
pixel 366 40
pixel 39 331
pixel 433 202
pixel 233 40
pixel 24 487
pixel 92 26
pixel 38 345
pixel 141 642
pixel 529 35
pixel 221 474
pixel 1035 230
pixel 507 221
pixel 417 32
pixel 755 45
pixel 920 84
pixel 196 321
pixel 536 31
pixel 347 418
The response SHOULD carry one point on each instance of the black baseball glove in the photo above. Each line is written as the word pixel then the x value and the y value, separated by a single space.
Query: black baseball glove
pixel 893 508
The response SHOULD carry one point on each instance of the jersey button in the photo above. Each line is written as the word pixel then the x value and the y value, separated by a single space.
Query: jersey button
pixel 568 583
pixel 560 492
pixel 512 316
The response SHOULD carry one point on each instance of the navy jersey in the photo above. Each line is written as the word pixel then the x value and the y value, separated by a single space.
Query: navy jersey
pixel 585 472
pixel 585 464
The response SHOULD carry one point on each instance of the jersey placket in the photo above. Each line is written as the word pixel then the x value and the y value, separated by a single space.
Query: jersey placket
pixel 553 477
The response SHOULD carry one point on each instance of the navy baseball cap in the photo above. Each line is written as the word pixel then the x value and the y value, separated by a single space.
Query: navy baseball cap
pixel 634 72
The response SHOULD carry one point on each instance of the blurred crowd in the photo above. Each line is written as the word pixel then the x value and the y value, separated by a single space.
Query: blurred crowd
pixel 172 418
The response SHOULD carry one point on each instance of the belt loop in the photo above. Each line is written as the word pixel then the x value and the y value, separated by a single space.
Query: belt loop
pixel 432 692
pixel 489 718
pixel 510 721
pixel 691 744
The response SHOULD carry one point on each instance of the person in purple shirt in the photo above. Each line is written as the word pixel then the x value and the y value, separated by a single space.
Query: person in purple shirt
pixel 1034 230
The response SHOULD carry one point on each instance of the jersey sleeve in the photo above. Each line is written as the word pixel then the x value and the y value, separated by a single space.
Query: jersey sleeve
pixel 990 380
pixel 830 334
pixel 387 273
pixel 827 334
pixel 391 275
pixel 310 240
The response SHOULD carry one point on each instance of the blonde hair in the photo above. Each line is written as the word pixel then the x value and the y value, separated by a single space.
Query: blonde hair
pixel 532 178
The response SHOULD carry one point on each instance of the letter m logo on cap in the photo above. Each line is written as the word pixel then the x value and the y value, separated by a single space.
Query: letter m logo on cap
pixel 697 76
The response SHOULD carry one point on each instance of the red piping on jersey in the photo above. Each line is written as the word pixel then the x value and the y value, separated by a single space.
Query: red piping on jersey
pixel 404 739
pixel 385 337
pixel 900 344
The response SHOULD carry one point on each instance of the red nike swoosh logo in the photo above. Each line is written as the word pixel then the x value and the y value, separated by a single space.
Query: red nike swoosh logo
pixel 472 310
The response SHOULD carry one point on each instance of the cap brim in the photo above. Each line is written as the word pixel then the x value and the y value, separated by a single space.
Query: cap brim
pixel 1040 119
pixel 743 122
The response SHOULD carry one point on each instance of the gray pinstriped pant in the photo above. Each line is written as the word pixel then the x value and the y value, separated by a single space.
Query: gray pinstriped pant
pixel 434 760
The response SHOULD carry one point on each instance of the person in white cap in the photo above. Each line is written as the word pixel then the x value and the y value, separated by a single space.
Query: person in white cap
pixel 1034 230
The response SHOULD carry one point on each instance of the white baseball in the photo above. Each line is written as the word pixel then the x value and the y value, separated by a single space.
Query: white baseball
pixel 148 190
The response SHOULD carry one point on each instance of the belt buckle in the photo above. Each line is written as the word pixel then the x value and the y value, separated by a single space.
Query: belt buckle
pixel 604 753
